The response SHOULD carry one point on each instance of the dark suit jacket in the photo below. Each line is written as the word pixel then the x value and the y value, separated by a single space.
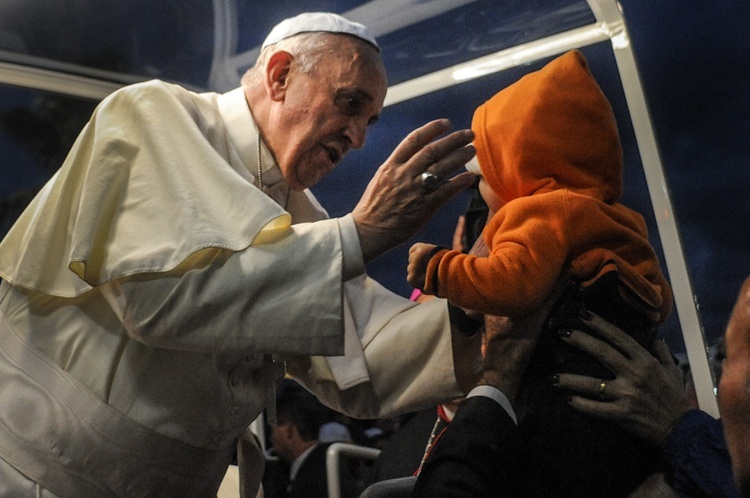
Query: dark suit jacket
pixel 403 451
pixel 477 456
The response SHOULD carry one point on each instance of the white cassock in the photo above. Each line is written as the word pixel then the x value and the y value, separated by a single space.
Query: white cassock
pixel 147 286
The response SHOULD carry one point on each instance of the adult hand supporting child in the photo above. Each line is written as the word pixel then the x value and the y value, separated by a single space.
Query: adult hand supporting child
pixel 647 396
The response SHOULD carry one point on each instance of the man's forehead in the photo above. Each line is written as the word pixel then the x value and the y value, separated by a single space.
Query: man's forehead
pixel 364 77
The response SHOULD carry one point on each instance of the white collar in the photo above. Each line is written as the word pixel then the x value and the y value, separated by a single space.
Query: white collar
pixel 243 135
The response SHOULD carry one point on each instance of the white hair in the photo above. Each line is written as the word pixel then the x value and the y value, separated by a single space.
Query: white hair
pixel 307 49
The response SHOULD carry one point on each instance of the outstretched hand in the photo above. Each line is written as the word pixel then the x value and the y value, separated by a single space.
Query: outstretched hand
pixel 396 204
pixel 647 395
pixel 419 258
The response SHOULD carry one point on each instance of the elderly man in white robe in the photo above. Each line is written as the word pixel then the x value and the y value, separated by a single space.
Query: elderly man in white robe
pixel 152 287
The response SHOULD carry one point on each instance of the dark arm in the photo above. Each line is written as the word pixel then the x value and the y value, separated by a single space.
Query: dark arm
pixel 696 452
pixel 475 457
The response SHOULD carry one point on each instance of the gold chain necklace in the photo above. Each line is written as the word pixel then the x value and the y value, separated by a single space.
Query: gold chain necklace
pixel 260 165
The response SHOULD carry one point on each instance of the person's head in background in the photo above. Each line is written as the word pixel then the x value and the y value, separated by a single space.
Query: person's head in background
pixel 734 389
pixel 299 416
pixel 314 93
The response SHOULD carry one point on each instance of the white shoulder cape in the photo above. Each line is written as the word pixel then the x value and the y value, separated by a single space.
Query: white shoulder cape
pixel 125 203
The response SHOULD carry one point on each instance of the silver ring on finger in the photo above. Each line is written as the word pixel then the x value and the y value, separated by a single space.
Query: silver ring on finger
pixel 430 181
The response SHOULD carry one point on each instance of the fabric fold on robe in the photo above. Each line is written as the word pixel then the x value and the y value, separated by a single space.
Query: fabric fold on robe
pixel 119 215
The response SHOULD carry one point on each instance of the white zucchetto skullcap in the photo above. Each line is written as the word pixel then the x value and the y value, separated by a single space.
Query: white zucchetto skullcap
pixel 318 21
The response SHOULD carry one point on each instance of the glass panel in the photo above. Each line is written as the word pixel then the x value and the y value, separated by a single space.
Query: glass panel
pixel 174 39
pixel 696 88
pixel 461 33
pixel 36 131
pixel 474 30
pixel 167 39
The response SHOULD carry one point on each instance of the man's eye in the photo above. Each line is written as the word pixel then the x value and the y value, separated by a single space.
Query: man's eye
pixel 351 105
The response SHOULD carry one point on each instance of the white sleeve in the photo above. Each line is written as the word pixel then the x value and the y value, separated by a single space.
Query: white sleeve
pixel 497 395
pixel 282 297
pixel 406 351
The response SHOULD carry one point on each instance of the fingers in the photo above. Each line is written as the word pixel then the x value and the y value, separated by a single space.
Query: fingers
pixel 590 387
pixel 605 354
pixel 662 353
pixel 446 155
pixel 417 266
pixel 458 234
pixel 421 149
pixel 614 336
pixel 595 408
pixel 418 249
pixel 396 202
pixel 596 397
pixel 423 152
pixel 413 280
pixel 417 139
pixel 449 189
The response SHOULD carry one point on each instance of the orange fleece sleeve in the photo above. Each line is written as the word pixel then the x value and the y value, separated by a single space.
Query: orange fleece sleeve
pixel 528 245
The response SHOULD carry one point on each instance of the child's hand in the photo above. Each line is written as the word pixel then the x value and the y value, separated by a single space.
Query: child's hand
pixel 419 257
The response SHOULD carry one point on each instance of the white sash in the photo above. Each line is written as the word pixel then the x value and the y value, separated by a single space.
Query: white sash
pixel 61 435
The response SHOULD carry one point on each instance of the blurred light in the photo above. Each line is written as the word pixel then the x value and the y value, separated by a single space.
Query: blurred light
pixel 499 61
pixel 529 52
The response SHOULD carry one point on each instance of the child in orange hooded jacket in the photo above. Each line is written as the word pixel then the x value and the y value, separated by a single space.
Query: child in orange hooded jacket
pixel 551 173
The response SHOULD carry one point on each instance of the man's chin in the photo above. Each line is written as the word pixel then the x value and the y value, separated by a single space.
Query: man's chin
pixel 295 183
pixel 300 184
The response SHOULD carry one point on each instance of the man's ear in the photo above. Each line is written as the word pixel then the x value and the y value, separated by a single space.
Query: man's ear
pixel 277 75
pixel 285 429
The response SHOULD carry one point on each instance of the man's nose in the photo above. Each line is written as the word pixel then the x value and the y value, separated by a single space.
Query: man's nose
pixel 356 132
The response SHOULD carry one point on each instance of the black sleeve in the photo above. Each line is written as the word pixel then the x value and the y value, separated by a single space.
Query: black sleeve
pixel 477 456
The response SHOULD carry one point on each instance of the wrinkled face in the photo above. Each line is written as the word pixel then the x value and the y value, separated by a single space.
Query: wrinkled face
pixel 734 389
pixel 326 113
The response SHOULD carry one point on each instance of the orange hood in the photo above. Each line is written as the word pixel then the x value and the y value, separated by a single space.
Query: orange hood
pixel 552 129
